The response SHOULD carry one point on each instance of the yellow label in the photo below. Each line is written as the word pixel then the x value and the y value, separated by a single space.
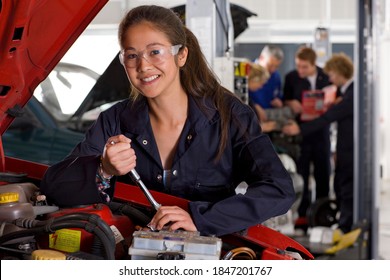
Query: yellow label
pixel 243 69
pixel 236 70
pixel 66 240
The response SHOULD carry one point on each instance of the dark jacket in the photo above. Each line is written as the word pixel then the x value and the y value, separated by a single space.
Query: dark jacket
pixel 342 113
pixel 215 208
pixel 295 85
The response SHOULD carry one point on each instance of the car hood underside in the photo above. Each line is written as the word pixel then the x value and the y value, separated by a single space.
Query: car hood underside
pixel 35 35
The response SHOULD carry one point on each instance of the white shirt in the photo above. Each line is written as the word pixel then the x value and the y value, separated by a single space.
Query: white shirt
pixel 312 80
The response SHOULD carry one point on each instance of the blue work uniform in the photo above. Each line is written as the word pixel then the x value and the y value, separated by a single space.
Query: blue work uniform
pixel 270 90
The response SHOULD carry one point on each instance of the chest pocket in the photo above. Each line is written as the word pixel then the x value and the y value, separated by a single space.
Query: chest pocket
pixel 211 185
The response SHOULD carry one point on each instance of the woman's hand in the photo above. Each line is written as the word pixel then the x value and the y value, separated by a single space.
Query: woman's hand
pixel 172 217
pixel 118 156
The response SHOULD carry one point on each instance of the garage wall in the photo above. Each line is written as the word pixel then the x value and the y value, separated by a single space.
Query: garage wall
pixel 287 23
pixel 268 10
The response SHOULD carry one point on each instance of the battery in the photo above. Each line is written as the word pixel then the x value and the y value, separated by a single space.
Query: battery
pixel 147 245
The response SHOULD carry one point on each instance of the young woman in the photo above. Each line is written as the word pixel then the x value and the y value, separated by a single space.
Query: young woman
pixel 184 133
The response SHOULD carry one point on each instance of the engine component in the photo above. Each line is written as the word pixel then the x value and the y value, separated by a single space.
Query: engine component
pixel 187 245
pixel 11 208
pixel 71 239
pixel 47 255
pixel 230 255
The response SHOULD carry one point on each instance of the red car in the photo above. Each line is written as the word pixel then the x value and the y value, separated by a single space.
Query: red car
pixel 34 37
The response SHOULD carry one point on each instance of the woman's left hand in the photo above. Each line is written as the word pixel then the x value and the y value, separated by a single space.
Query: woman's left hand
pixel 174 218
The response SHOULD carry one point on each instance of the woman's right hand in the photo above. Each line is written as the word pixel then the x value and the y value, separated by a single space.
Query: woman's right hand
pixel 118 156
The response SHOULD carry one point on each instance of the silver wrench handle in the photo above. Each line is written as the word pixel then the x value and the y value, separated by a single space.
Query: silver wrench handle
pixel 134 174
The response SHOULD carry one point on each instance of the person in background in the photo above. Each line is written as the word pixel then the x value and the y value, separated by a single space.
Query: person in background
pixel 340 70
pixel 270 119
pixel 314 147
pixel 270 94
pixel 257 77
pixel 185 134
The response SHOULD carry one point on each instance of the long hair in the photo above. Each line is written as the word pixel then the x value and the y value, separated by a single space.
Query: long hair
pixel 196 77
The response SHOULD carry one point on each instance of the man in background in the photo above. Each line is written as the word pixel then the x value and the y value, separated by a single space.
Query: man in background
pixel 315 148
pixel 270 94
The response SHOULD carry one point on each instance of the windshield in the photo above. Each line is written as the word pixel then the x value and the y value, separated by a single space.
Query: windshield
pixel 65 89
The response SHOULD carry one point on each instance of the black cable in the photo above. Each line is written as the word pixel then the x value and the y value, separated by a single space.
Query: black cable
pixel 20 233
pixel 30 223
pixel 96 247
pixel 137 216
pixel 51 228
pixel 92 218
pixel 12 250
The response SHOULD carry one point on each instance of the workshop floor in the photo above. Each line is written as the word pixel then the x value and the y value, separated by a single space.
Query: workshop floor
pixel 359 250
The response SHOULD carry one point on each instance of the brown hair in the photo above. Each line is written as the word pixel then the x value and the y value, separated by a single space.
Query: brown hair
pixel 341 64
pixel 306 54
pixel 196 77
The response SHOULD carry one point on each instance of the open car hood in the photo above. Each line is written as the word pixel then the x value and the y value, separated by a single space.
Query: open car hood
pixel 35 35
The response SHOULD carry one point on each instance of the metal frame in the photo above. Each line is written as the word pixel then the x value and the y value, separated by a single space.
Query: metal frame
pixel 366 165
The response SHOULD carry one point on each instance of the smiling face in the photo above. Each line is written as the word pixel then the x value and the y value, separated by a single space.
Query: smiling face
pixel 153 79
